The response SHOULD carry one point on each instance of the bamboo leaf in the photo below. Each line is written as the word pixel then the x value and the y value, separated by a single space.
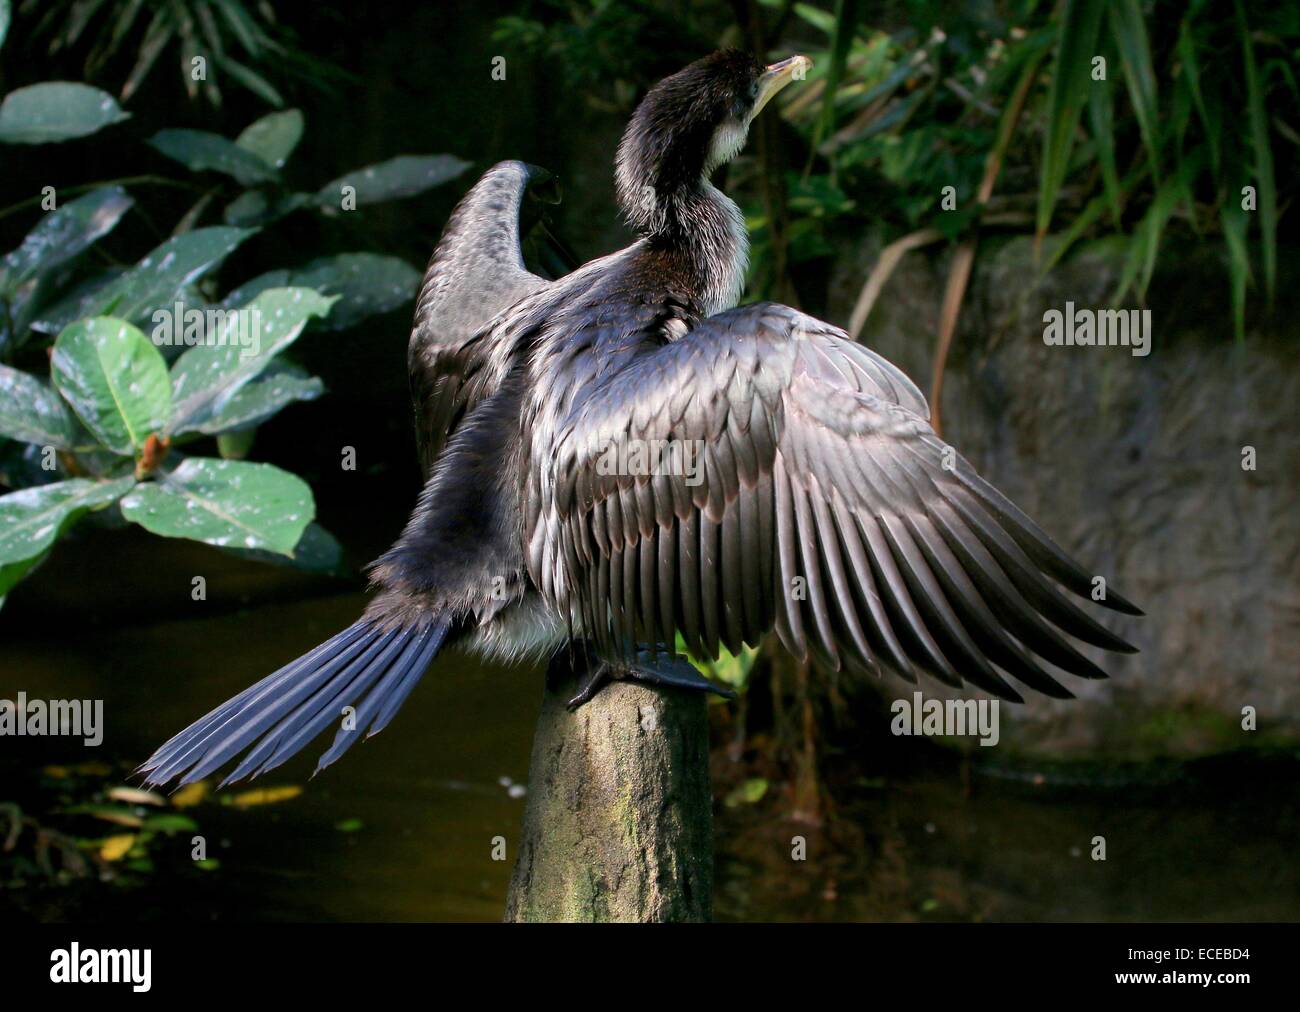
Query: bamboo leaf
pixel 1101 117
pixel 1130 35
pixel 1071 78
pixel 847 15
pixel 1192 74
pixel 1259 137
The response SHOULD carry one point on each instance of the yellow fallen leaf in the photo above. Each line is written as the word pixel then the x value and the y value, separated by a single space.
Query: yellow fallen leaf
pixel 264 796
pixel 57 772
pixel 135 796
pixel 113 815
pixel 114 848
pixel 93 769
pixel 190 794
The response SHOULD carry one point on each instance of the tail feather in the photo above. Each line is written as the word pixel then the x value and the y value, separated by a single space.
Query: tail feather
pixel 282 713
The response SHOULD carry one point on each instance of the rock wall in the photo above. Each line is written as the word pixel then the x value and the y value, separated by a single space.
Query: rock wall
pixel 1135 465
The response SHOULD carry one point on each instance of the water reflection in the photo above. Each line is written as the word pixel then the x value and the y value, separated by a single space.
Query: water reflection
pixel 404 827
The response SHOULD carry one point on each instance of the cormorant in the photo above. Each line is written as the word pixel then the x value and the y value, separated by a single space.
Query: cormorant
pixel 623 455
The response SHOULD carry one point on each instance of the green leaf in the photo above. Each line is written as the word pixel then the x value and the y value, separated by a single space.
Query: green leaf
pixel 236 445
pixel 847 15
pixel 115 380
pixel 403 176
pixel 1101 116
pixel 199 150
pixel 229 503
pixel 32 519
pixel 64 233
pixel 367 284
pixel 317 551
pixel 1192 75
pixel 154 282
pixel 170 822
pixel 273 138
pixel 56 111
pixel 747 793
pixel 13 573
pixel 1135 54
pixel 255 402
pixel 259 207
pixel 1071 78
pixel 1233 219
pixel 1145 242
pixel 251 80
pixel 207 376
pixel 1260 141
pixel 33 413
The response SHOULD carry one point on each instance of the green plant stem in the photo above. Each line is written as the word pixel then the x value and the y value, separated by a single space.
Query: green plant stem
pixel 87 187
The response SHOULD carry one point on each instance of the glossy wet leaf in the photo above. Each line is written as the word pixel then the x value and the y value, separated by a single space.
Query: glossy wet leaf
pixel 259 207
pixel 200 150
pixel 367 284
pixel 317 551
pixel 154 283
pixel 208 376
pixel 228 503
pixel 64 233
pixel 114 379
pixel 32 519
pixel 32 412
pixel 273 137
pixel 56 111
pixel 255 402
pixel 12 573
pixel 403 176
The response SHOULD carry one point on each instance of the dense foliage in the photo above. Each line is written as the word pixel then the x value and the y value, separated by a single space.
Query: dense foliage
pixel 110 375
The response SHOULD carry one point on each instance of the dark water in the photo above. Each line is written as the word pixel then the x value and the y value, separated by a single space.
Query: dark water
pixel 918 838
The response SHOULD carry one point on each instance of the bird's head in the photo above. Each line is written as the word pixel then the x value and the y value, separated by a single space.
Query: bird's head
pixel 689 124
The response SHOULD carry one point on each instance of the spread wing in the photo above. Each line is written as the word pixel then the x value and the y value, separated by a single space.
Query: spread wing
pixel 476 273
pixel 821 502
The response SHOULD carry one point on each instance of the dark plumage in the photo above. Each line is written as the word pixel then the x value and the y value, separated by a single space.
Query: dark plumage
pixel 808 491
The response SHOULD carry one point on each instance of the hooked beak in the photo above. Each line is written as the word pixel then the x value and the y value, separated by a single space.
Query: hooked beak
pixel 776 77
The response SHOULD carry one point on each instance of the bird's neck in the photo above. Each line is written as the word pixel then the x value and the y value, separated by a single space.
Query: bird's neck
pixel 703 230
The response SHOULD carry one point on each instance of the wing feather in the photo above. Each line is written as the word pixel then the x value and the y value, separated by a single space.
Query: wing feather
pixel 828 509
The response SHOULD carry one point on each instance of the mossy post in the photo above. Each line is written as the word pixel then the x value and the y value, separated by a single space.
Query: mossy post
pixel 619 823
